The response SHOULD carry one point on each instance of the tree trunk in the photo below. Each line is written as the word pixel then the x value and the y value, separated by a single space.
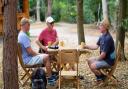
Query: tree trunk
pixel 96 16
pixel 10 67
pixel 80 27
pixel 49 8
pixel 105 8
pixel 99 11
pixel 38 10
pixel 120 35
pixel 0 7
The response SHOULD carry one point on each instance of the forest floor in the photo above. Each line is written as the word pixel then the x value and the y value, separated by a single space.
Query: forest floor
pixel 68 33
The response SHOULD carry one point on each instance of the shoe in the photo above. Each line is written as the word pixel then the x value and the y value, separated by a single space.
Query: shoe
pixel 103 77
pixel 98 78
pixel 55 73
pixel 51 81
pixel 52 78
pixel 55 77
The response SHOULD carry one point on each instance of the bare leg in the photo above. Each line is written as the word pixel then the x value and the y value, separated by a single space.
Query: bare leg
pixel 91 62
pixel 48 65
pixel 94 69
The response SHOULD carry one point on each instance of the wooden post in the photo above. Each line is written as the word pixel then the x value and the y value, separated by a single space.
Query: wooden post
pixel 24 13
pixel 26 8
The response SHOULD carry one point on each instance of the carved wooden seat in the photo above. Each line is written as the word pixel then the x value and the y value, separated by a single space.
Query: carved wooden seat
pixel 68 59
pixel 109 72
pixel 27 68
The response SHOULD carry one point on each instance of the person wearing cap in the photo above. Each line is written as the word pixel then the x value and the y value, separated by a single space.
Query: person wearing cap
pixel 30 57
pixel 107 51
pixel 48 36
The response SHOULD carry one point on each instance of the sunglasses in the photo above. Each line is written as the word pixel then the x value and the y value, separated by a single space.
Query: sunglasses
pixel 52 23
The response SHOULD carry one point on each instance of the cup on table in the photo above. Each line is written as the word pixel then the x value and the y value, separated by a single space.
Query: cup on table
pixel 82 45
pixel 49 43
pixel 61 43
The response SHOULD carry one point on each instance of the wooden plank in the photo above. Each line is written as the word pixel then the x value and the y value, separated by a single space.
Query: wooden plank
pixel 68 73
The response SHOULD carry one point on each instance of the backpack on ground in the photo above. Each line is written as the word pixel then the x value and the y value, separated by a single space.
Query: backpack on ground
pixel 38 79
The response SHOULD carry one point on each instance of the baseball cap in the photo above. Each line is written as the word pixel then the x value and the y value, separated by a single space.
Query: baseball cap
pixel 24 21
pixel 49 19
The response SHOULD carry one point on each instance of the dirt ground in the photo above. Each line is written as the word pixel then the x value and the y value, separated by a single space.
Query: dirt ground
pixel 68 33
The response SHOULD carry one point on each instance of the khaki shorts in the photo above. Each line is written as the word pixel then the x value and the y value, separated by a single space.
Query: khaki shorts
pixel 36 59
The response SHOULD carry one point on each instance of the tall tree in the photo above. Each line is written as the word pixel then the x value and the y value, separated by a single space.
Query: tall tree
pixel 120 35
pixel 38 10
pixel 10 67
pixel 49 8
pixel 80 27
pixel 0 6
pixel 105 8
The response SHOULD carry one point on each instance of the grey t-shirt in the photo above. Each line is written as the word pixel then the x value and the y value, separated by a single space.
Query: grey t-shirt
pixel 25 42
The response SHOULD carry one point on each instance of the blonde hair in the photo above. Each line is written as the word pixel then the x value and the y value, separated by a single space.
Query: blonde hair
pixel 24 21
pixel 105 23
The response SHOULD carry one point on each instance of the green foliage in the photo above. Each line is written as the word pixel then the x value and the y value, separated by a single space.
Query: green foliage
pixel 125 24
pixel 42 10
pixel 32 4
pixel 32 7
pixel 68 10
pixel 90 8
pixel 112 10
pixel 65 10
pixel 56 10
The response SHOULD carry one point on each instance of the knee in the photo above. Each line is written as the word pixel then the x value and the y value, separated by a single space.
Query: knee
pixel 93 66
pixel 90 60
pixel 46 57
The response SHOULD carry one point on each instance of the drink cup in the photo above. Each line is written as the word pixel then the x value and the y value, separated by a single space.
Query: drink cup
pixel 61 43
pixel 49 43
pixel 82 45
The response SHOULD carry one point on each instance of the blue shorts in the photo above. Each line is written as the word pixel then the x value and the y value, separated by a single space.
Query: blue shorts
pixel 36 60
pixel 101 64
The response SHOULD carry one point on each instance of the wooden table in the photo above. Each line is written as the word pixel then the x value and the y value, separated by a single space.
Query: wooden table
pixel 55 51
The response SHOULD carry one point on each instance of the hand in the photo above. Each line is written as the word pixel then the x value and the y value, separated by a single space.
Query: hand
pixel 80 47
pixel 86 47
pixel 45 48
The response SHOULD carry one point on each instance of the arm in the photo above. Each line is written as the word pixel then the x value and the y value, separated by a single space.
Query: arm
pixel 92 47
pixel 30 51
pixel 101 56
pixel 40 45
pixel 56 42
